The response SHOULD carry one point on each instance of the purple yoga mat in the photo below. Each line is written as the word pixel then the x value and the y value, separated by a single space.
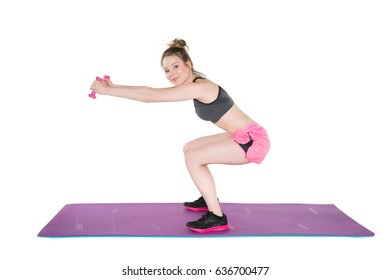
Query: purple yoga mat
pixel 169 220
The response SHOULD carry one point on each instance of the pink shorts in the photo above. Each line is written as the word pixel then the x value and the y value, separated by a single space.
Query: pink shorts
pixel 254 141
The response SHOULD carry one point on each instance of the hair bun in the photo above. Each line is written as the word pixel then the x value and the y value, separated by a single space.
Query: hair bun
pixel 178 43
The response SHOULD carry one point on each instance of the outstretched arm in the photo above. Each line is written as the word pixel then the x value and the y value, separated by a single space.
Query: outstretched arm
pixel 147 94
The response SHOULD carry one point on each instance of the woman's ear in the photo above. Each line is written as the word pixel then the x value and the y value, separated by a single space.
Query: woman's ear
pixel 189 64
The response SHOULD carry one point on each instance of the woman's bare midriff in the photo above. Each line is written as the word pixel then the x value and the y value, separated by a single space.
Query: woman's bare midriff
pixel 233 120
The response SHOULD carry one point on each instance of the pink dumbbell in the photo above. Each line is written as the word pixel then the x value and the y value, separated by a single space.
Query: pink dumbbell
pixel 93 94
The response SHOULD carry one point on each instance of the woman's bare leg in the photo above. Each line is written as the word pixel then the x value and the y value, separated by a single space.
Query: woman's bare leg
pixel 203 141
pixel 215 149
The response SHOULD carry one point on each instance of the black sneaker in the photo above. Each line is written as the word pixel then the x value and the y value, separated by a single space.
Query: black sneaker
pixel 208 223
pixel 197 205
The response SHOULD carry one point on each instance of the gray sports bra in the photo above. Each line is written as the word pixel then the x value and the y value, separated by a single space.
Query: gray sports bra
pixel 215 110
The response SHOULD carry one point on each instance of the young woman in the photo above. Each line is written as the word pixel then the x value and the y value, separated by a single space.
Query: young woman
pixel 242 141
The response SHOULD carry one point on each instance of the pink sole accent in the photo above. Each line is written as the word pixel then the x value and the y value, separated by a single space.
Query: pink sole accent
pixel 196 209
pixel 217 228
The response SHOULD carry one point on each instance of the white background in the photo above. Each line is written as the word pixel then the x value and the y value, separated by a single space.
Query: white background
pixel 315 74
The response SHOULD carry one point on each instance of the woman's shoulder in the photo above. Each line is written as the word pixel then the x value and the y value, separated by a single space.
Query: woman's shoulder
pixel 208 90
pixel 204 81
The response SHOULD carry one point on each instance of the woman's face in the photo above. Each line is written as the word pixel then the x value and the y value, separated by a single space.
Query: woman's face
pixel 176 71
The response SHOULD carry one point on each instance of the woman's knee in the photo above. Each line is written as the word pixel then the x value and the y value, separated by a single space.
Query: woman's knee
pixel 194 144
pixel 191 157
pixel 187 148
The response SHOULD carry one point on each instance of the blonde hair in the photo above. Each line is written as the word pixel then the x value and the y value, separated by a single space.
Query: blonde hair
pixel 179 48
